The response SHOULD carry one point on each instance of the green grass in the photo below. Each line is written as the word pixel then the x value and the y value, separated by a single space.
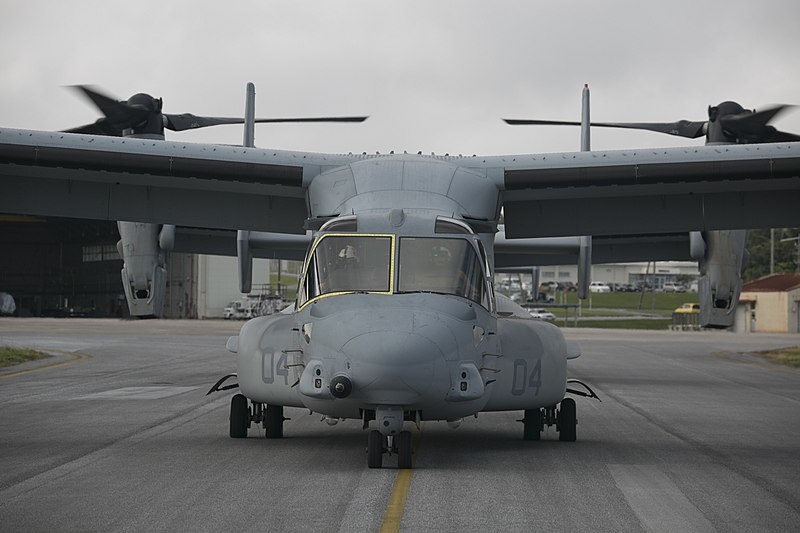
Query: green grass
pixel 623 303
pixel 663 301
pixel 784 356
pixel 632 323
pixel 10 356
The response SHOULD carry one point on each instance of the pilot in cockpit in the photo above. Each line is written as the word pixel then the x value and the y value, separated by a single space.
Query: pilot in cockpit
pixel 348 255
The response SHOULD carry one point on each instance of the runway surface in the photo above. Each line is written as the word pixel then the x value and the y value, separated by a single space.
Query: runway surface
pixel 116 434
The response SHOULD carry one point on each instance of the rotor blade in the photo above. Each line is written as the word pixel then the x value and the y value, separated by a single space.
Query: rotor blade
pixel 756 118
pixel 526 122
pixel 682 128
pixel 187 121
pixel 778 136
pixel 754 127
pixel 100 127
pixel 118 114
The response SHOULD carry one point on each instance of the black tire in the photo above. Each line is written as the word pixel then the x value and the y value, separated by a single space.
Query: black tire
pixel 404 450
pixel 273 421
pixel 532 424
pixel 375 449
pixel 567 421
pixel 240 417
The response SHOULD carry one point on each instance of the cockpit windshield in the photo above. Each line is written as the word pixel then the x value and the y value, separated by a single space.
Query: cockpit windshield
pixel 348 263
pixel 448 266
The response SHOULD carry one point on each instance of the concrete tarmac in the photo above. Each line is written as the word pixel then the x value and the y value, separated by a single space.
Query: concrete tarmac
pixel 116 433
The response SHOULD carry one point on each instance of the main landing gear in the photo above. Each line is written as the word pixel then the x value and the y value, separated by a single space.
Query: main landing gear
pixel 242 415
pixel 562 416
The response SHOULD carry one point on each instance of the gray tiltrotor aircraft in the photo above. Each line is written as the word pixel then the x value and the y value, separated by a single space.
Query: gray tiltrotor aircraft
pixel 396 319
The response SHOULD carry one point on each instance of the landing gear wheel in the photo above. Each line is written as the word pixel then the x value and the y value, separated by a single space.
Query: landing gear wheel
pixel 567 420
pixel 404 450
pixel 532 424
pixel 375 449
pixel 273 421
pixel 240 417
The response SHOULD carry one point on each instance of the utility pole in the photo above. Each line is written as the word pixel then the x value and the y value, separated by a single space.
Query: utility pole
pixel 797 246
pixel 771 251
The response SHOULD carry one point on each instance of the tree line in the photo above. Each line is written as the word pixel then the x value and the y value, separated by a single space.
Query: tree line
pixel 786 253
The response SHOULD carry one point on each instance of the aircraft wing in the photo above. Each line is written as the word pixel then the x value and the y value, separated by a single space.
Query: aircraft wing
pixel 544 251
pixel 165 182
pixel 223 242
pixel 649 191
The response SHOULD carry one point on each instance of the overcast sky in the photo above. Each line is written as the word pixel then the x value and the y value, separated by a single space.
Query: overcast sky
pixel 435 76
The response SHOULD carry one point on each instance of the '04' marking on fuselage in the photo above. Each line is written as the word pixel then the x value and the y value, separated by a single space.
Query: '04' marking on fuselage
pixel 269 368
pixel 522 380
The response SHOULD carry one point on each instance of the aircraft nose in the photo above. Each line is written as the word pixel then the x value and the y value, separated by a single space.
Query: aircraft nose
pixel 394 367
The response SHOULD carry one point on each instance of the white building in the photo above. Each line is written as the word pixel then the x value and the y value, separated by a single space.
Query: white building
pixel 201 286
pixel 772 303
pixel 626 273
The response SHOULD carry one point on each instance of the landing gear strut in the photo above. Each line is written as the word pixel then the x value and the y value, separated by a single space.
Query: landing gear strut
pixel 563 417
pixel 242 416
pixel 378 444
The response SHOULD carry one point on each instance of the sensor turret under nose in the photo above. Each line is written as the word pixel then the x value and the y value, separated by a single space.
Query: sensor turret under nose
pixel 341 386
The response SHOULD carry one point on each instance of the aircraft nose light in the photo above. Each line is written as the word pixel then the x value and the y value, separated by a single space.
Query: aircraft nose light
pixel 341 386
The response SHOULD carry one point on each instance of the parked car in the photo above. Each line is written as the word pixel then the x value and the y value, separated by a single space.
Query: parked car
pixel 673 287
pixel 235 310
pixel 547 286
pixel 7 304
pixel 567 286
pixel 542 314
pixel 543 297
pixel 599 286
pixel 619 287
pixel 688 308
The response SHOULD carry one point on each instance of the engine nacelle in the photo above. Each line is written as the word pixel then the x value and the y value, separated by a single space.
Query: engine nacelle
pixel 720 280
pixel 144 277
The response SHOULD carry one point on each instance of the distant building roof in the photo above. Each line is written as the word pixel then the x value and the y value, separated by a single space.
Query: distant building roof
pixel 773 283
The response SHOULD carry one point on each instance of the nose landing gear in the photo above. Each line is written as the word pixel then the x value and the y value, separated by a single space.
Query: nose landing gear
pixel 378 444
pixel 390 438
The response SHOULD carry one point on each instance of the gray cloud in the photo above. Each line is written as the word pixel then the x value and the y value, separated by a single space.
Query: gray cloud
pixel 434 76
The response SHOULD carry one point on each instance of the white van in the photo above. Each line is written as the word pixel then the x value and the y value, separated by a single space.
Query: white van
pixel 673 287
pixel 599 286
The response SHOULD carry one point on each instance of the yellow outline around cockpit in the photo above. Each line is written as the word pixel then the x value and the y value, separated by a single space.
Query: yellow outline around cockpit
pixel 392 237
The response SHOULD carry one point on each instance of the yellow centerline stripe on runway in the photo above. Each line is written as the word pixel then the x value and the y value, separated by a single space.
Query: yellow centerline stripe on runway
pixel 75 358
pixel 397 502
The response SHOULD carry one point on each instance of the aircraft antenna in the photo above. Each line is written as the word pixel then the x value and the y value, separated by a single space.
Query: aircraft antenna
pixel 585 249
pixel 250 116
pixel 585 136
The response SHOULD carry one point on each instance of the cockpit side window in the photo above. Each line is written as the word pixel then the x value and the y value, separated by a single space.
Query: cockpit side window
pixel 442 265
pixel 347 263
